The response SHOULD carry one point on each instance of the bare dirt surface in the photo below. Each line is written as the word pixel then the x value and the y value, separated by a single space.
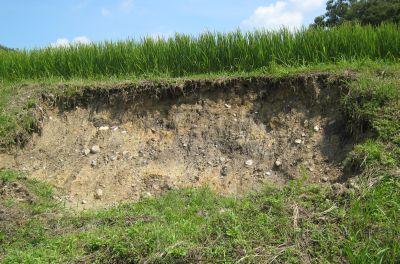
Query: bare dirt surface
pixel 232 136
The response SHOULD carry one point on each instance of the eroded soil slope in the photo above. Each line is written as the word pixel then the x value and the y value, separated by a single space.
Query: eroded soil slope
pixel 232 135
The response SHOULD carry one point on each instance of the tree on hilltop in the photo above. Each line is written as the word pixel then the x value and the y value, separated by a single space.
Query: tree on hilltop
pixel 365 12
pixel 4 48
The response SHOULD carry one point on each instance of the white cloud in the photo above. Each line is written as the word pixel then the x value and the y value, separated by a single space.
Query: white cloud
pixel 105 12
pixel 82 40
pixel 61 42
pixel 126 5
pixel 64 42
pixel 288 13
pixel 274 16
pixel 307 5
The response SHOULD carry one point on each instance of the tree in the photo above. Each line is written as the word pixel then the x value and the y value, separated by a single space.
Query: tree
pixel 365 12
pixel 4 48
pixel 375 12
pixel 335 13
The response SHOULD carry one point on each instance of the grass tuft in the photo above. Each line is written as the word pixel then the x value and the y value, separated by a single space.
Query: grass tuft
pixel 8 176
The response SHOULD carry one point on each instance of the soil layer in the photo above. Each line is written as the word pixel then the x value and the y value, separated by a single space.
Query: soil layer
pixel 232 135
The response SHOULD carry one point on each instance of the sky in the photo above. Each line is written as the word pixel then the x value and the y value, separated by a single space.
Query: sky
pixel 40 23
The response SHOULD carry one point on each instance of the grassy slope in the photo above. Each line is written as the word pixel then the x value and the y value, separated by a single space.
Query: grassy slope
pixel 193 225
pixel 294 224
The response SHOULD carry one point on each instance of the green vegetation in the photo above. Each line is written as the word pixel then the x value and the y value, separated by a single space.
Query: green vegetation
pixel 8 176
pixel 3 48
pixel 184 55
pixel 373 107
pixel 294 224
pixel 365 12
pixel 17 117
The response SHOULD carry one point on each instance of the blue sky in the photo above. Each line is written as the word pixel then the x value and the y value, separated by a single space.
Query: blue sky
pixel 39 23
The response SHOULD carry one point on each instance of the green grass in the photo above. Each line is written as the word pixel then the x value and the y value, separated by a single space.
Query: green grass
pixel 8 176
pixel 198 225
pixel 184 55
pixel 373 225
pixel 372 110
pixel 17 119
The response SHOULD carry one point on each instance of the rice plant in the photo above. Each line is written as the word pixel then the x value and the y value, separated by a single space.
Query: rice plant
pixel 207 53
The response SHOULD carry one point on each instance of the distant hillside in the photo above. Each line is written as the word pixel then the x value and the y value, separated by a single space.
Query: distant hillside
pixel 4 48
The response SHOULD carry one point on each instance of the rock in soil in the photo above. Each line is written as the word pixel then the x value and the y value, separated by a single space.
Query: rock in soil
pixel 95 149
pixel 98 194
pixel 224 171
pixel 249 163
pixel 86 151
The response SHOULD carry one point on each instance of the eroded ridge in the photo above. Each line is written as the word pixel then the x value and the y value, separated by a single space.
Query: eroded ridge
pixel 233 135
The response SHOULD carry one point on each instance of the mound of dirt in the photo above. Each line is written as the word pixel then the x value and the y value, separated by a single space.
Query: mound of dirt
pixel 234 135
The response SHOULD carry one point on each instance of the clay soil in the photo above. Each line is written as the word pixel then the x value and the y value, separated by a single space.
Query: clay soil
pixel 233 135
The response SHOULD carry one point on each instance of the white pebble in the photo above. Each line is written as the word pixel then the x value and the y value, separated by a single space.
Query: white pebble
pixel 98 194
pixel 249 163
pixel 94 163
pixel 85 151
pixel 95 149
